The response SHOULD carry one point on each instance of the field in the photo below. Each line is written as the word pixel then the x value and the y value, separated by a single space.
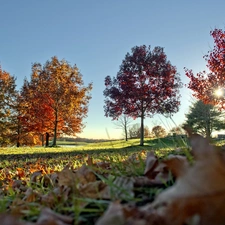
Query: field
pixel 79 181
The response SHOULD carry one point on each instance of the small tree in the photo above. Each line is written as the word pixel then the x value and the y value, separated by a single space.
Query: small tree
pixel 178 130
pixel 204 118
pixel 123 123
pixel 159 131
pixel 147 83
pixel 134 131
pixel 147 132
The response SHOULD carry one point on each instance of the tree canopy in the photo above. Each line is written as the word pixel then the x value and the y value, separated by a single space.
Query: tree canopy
pixel 205 84
pixel 204 118
pixel 8 99
pixel 159 131
pixel 56 99
pixel 147 83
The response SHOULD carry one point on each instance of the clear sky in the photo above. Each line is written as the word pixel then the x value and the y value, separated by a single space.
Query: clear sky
pixel 96 34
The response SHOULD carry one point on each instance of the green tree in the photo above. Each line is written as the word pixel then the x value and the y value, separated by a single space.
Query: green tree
pixel 8 99
pixel 204 118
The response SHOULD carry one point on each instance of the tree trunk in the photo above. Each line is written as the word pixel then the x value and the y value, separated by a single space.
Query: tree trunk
pixel 142 131
pixel 55 129
pixel 126 135
pixel 18 136
pixel 42 140
pixel 208 124
pixel 47 139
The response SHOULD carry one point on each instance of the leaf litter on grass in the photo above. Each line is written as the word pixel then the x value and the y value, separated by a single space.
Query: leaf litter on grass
pixel 172 190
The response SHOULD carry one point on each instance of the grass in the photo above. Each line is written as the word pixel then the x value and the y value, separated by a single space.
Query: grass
pixel 18 165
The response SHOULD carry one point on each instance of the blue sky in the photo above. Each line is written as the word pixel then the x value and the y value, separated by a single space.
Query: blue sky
pixel 96 34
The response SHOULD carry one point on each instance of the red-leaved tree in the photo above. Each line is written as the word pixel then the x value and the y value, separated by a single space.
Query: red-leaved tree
pixel 147 83
pixel 204 84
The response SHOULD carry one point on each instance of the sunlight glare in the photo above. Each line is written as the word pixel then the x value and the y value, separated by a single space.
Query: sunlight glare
pixel 219 92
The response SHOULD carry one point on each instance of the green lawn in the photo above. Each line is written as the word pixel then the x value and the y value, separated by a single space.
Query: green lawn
pixel 27 176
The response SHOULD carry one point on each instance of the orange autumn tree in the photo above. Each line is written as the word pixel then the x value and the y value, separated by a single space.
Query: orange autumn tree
pixel 58 91
pixel 205 84
pixel 37 116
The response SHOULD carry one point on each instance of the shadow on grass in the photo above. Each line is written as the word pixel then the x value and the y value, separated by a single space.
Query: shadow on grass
pixel 162 145
pixel 60 154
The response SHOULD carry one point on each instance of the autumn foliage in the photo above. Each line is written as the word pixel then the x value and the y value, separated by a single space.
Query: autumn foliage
pixel 204 84
pixel 55 101
pixel 147 83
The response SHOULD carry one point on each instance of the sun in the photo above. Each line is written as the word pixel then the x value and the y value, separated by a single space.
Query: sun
pixel 219 92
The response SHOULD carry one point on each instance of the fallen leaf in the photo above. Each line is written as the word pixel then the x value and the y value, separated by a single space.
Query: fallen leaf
pixel 85 175
pixel 177 164
pixel 95 190
pixel 49 217
pixel 113 215
pixel 67 177
pixel 35 176
pixel 199 191
pixel 151 163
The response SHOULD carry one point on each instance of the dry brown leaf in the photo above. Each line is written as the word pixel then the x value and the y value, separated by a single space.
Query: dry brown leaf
pixel 156 171
pixel 50 180
pixel 142 181
pixel 94 190
pixel 103 165
pixel 113 215
pixel 49 217
pixel 7 219
pixel 177 164
pixel 66 177
pixel 31 195
pixel 19 185
pixel 85 175
pixel 90 161
pixel 129 215
pixel 199 192
pixel 122 188
pixel 35 176
pixel 151 163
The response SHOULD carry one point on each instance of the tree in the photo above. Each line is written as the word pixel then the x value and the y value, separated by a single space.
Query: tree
pixel 178 130
pixel 37 116
pixel 147 83
pixel 135 131
pixel 147 132
pixel 204 118
pixel 204 84
pixel 123 123
pixel 8 99
pixel 57 90
pixel 159 131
